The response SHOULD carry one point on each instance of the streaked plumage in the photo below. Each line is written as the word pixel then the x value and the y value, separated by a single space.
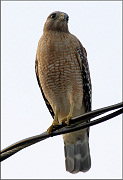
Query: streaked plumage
pixel 64 79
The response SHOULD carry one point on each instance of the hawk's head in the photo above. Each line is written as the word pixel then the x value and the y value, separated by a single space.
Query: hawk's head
pixel 57 21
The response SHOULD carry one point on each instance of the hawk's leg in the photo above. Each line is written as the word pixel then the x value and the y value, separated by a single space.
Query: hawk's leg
pixel 69 116
pixel 54 123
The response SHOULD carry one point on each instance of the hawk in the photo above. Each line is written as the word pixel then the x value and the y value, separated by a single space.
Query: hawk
pixel 64 79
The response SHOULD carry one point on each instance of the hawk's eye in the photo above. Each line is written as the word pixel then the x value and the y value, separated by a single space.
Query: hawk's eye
pixel 53 16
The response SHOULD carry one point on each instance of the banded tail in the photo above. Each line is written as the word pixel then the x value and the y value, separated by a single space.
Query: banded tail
pixel 77 154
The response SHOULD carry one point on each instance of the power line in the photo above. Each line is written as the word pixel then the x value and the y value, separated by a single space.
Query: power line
pixel 76 123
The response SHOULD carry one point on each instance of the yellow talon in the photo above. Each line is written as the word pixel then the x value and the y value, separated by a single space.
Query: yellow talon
pixel 64 120
pixel 67 119
pixel 54 123
pixel 50 129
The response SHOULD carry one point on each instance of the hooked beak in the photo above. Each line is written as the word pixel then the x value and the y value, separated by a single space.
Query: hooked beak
pixel 62 17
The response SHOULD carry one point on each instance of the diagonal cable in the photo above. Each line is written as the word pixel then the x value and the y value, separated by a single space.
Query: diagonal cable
pixel 62 128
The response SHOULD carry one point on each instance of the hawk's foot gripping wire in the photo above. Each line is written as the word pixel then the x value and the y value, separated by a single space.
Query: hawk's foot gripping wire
pixel 68 117
pixel 54 123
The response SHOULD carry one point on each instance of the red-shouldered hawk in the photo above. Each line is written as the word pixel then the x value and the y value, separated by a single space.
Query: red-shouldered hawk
pixel 64 79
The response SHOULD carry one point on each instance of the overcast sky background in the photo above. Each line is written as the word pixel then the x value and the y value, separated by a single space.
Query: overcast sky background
pixel 98 25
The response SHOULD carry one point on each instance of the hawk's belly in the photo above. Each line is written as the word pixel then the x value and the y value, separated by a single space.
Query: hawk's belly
pixel 62 84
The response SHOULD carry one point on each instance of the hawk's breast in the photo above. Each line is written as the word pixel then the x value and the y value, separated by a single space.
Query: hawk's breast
pixel 59 70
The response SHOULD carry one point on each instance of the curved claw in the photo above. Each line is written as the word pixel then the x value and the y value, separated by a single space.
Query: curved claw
pixel 54 123
pixel 50 129
pixel 66 119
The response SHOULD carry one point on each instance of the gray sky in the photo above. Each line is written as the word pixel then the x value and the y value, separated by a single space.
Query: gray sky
pixel 23 111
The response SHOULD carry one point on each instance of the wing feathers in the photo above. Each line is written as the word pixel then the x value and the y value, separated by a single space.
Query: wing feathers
pixel 87 87
pixel 46 101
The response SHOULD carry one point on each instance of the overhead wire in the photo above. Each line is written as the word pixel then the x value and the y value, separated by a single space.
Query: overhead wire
pixel 63 128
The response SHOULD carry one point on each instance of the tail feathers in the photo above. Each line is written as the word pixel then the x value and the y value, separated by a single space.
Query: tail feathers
pixel 78 156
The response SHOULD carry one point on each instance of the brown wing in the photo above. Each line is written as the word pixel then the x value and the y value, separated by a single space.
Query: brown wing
pixel 87 87
pixel 46 101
